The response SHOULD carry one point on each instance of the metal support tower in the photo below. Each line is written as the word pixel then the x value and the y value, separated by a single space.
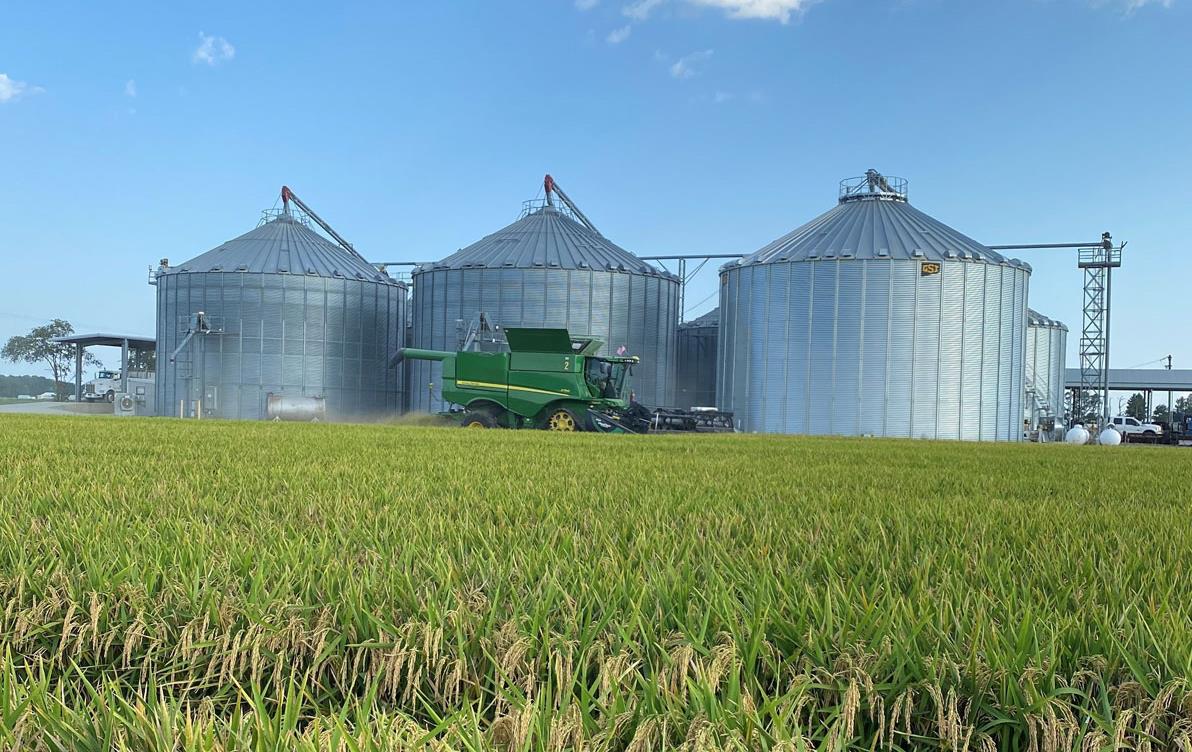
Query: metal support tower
pixel 1098 263
pixel 1097 260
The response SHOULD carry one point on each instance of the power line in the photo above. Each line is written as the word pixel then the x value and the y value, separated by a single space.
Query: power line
pixel 1150 362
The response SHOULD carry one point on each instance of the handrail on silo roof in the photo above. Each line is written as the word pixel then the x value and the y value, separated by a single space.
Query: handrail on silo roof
pixel 873 184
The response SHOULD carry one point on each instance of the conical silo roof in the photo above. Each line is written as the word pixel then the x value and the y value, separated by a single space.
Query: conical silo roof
pixel 1034 318
pixel 711 318
pixel 546 238
pixel 875 223
pixel 283 245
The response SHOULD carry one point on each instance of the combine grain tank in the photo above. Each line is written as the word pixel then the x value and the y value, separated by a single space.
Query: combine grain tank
pixel 874 319
pixel 550 269
pixel 696 380
pixel 278 310
pixel 1046 345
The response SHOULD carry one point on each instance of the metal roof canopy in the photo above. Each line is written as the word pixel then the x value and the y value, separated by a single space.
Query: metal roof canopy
pixel 1138 379
pixel 125 342
pixel 111 340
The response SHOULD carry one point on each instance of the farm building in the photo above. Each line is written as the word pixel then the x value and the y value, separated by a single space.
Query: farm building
pixel 278 310
pixel 874 319
pixel 550 268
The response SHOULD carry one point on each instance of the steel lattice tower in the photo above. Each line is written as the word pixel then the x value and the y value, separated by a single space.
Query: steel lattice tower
pixel 1098 263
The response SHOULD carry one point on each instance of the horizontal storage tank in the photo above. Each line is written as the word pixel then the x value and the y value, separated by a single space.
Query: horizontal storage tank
pixel 696 380
pixel 278 311
pixel 874 319
pixel 550 268
pixel 1046 348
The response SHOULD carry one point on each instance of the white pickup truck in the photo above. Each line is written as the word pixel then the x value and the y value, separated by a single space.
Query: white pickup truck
pixel 1124 424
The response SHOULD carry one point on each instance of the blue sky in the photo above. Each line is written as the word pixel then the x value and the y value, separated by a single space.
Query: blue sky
pixel 136 131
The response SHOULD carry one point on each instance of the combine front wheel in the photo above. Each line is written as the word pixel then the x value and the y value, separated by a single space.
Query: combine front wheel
pixel 562 419
pixel 479 420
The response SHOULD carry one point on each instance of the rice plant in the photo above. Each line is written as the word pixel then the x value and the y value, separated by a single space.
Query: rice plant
pixel 214 586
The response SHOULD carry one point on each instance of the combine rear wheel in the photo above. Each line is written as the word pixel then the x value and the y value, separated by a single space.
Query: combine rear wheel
pixel 563 419
pixel 479 420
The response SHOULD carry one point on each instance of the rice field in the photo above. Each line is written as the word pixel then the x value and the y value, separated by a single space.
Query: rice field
pixel 217 586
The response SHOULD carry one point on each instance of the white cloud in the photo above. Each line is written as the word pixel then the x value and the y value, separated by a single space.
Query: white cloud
pixel 773 10
pixel 685 67
pixel 11 90
pixel 213 50
pixel 130 88
pixel 616 36
pixel 640 10
pixel 1133 5
pixel 586 4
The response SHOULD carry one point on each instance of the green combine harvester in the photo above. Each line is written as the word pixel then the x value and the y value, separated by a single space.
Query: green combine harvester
pixel 551 380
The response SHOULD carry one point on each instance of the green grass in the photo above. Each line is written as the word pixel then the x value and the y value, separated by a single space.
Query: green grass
pixel 208 585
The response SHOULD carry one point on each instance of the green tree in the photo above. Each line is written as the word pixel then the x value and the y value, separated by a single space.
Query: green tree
pixel 1085 410
pixel 142 360
pixel 12 386
pixel 1183 405
pixel 1136 406
pixel 1161 413
pixel 38 347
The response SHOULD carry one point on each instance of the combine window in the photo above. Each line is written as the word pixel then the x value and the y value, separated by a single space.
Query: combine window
pixel 605 379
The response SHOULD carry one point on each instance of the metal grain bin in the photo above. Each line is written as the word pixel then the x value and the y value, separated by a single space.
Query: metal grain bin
pixel 1046 348
pixel 696 377
pixel 284 311
pixel 550 268
pixel 874 319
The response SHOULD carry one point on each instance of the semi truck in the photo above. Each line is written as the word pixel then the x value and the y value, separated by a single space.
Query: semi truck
pixel 106 384
pixel 551 380
pixel 103 387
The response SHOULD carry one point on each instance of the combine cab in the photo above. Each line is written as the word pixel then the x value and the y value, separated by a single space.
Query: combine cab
pixel 548 380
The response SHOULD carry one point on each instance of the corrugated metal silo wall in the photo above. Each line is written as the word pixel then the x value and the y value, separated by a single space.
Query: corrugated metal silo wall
pixel 1038 354
pixel 872 347
pixel 1057 367
pixel 286 334
pixel 696 366
pixel 1046 348
pixel 636 311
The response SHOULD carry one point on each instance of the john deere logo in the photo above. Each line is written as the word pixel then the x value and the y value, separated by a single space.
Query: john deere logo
pixel 927 268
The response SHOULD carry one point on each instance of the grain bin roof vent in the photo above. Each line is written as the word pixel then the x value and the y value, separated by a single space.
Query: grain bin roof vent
pixel 874 220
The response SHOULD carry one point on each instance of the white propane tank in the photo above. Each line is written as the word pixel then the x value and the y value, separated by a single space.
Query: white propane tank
pixel 1076 435
pixel 1109 437
pixel 307 409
